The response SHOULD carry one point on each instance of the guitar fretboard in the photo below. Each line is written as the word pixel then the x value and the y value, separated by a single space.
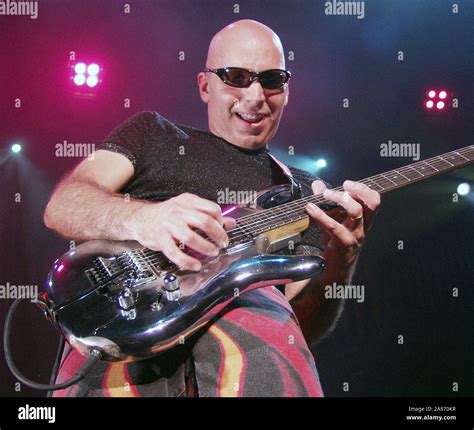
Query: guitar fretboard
pixel 269 219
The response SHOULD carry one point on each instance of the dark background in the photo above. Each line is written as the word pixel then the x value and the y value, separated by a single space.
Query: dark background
pixel 408 292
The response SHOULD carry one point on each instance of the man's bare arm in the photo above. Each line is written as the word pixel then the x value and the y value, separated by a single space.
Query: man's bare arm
pixel 85 205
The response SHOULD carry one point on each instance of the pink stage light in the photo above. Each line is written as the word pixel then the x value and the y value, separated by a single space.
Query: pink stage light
pixel 92 81
pixel 79 80
pixel 93 69
pixel 80 68
pixel 86 73
pixel 439 98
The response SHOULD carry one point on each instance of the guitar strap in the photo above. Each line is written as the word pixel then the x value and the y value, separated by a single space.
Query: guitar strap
pixel 295 185
pixel 302 248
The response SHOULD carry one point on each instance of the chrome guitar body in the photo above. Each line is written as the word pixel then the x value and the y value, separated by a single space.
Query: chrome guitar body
pixel 132 303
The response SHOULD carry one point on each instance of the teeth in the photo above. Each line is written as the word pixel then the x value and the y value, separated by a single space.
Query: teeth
pixel 251 117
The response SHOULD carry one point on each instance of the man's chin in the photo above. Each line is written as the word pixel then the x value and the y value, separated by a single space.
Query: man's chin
pixel 246 141
pixel 251 142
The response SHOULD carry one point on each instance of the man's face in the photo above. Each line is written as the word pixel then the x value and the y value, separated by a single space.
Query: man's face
pixel 246 117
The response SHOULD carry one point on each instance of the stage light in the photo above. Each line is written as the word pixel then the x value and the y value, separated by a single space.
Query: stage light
pixel 16 148
pixel 92 81
pixel 93 69
pixel 79 80
pixel 80 68
pixel 464 189
pixel 321 163
pixel 86 73
pixel 438 98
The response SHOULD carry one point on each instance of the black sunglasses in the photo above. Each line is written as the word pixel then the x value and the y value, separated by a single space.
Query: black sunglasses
pixel 243 78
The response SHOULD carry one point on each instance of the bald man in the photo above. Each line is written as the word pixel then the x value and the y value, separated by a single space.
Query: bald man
pixel 172 175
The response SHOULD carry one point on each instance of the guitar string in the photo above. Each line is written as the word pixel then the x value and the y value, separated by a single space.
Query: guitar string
pixel 404 169
pixel 149 256
pixel 296 204
pixel 286 209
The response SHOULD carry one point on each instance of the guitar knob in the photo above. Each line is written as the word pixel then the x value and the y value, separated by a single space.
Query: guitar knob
pixel 125 299
pixel 171 286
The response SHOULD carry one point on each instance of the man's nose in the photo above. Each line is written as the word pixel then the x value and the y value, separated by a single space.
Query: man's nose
pixel 255 92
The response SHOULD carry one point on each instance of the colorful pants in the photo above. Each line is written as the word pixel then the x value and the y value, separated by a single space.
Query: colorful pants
pixel 254 349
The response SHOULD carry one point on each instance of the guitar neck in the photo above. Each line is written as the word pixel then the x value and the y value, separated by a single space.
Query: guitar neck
pixel 293 211
pixel 421 170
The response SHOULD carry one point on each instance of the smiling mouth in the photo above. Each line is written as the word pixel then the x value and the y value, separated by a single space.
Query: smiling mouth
pixel 251 119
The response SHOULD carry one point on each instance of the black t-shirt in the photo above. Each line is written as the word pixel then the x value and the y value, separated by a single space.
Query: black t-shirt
pixel 170 159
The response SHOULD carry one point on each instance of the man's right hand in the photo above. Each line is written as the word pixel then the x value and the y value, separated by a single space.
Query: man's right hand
pixel 169 225
pixel 94 187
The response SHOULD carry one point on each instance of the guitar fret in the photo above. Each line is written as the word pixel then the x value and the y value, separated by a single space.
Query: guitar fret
pixel 394 177
pixel 388 179
pixel 430 166
pixel 446 161
pixel 458 159
pixel 400 173
pixel 373 183
pixel 388 185
pixel 285 214
pixel 462 156
pixel 416 171
pixel 269 223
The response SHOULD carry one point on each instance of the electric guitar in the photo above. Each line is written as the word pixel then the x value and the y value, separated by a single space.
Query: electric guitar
pixel 131 303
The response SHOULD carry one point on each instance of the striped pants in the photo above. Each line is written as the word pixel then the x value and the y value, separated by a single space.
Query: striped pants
pixel 254 349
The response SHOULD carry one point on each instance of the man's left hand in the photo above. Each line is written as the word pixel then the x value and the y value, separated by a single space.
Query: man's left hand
pixel 345 232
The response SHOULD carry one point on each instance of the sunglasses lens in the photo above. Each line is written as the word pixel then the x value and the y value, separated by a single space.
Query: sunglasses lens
pixel 236 77
pixel 273 79
pixel 242 78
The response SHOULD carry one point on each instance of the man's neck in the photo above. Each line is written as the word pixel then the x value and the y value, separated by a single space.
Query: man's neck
pixel 258 149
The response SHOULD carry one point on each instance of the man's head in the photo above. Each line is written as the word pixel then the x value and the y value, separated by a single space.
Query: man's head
pixel 250 45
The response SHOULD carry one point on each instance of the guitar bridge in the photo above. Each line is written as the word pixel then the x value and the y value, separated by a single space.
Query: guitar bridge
pixel 126 269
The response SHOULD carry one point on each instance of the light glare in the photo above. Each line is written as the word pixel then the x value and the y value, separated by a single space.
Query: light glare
pixel 80 68
pixel 321 163
pixel 16 148
pixel 464 189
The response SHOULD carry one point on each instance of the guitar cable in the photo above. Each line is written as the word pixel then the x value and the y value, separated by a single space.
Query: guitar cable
pixel 86 367
pixel 57 364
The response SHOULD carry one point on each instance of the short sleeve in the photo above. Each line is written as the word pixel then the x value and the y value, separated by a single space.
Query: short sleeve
pixel 130 137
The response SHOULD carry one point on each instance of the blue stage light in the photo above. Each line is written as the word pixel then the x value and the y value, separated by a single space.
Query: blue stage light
pixel 464 189
pixel 321 163
pixel 16 148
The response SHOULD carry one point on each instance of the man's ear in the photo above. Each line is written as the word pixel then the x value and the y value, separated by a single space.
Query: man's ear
pixel 203 86
pixel 287 93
